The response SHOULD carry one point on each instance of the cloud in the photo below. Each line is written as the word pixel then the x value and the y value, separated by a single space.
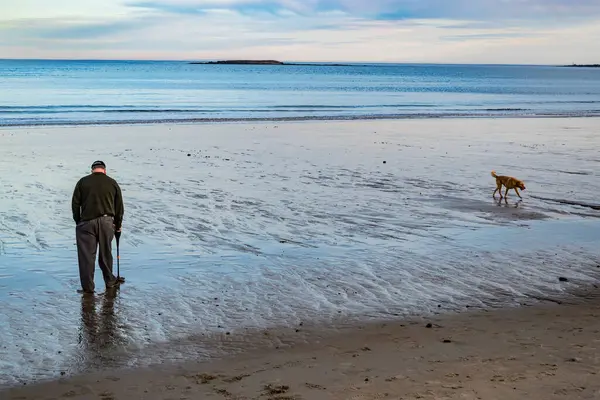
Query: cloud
pixel 487 36
pixel 492 9
pixel 170 8
pixel 68 29
pixel 12 10
pixel 508 31
pixel 396 9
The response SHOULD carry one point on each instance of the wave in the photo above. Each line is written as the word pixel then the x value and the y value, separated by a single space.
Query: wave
pixel 115 110
pixel 42 107
pixel 235 111
pixel 90 114
pixel 134 109
pixel 160 119
pixel 507 109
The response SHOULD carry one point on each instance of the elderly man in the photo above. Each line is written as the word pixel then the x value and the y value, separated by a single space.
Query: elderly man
pixel 98 212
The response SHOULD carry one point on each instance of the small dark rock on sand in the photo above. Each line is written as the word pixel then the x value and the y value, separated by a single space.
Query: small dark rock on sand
pixel 275 389
pixel 429 326
pixel 563 279
pixel 385 162
pixel 447 341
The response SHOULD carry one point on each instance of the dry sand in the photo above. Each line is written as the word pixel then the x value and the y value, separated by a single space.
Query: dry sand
pixel 547 351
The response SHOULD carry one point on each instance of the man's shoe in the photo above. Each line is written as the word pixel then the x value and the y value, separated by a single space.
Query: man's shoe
pixel 116 283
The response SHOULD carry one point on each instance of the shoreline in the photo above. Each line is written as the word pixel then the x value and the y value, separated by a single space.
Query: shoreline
pixel 395 117
pixel 539 350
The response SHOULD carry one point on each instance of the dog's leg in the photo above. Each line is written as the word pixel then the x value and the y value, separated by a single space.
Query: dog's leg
pixel 517 190
pixel 506 193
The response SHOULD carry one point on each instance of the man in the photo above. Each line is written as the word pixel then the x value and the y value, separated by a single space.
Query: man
pixel 98 212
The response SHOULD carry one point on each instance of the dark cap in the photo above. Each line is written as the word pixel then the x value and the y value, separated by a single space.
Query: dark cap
pixel 98 164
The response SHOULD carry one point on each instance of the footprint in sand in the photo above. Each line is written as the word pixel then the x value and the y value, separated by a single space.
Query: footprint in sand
pixel 313 386
pixel 202 379
pixel 235 378
pixel 107 396
pixel 272 390
pixel 223 392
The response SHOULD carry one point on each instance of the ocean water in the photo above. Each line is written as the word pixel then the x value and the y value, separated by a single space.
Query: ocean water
pixel 67 92
pixel 240 227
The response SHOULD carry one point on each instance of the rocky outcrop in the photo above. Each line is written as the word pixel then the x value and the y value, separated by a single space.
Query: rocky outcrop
pixel 583 65
pixel 243 62
pixel 267 62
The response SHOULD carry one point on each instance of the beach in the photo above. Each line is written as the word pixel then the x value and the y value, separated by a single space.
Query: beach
pixel 537 352
pixel 238 234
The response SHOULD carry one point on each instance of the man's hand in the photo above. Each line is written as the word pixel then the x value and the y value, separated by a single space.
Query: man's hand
pixel 117 230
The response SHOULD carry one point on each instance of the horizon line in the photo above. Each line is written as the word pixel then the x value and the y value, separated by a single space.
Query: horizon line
pixel 286 61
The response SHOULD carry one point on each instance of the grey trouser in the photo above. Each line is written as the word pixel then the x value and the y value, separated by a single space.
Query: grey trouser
pixel 91 235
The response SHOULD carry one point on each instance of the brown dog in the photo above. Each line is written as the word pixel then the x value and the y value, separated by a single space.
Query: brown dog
pixel 509 183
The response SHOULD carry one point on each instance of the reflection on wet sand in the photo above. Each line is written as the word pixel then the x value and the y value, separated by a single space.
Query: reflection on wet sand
pixel 101 333
pixel 503 202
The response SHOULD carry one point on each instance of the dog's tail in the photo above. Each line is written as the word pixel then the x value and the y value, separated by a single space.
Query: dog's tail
pixel 494 174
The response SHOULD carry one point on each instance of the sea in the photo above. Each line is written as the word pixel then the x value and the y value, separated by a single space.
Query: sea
pixel 263 201
pixel 42 92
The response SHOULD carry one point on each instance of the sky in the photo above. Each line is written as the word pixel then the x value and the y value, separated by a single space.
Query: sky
pixel 422 31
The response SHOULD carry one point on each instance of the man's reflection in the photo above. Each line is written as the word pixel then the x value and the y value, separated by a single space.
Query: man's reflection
pixel 100 336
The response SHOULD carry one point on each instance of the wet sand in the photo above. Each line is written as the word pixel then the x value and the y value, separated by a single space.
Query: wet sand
pixel 242 227
pixel 540 352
